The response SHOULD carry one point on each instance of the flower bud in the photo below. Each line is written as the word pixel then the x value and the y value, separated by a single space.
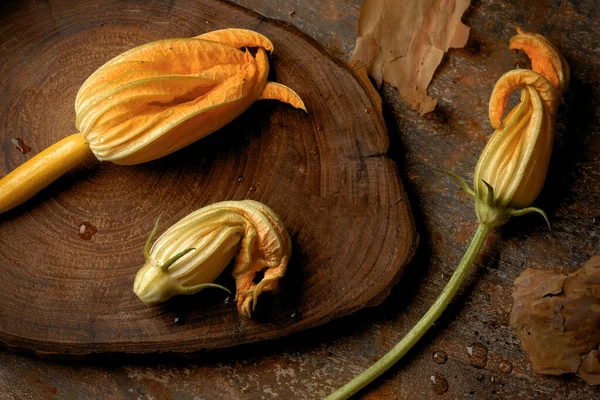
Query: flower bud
pixel 191 254
pixel 512 168
pixel 153 100
pixel 159 97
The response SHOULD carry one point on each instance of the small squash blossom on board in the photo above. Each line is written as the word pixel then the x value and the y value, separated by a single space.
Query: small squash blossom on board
pixel 153 100
pixel 192 253
pixel 509 175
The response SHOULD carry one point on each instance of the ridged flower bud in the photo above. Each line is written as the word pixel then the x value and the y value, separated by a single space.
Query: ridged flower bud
pixel 153 100
pixel 193 252
pixel 511 170
pixel 159 97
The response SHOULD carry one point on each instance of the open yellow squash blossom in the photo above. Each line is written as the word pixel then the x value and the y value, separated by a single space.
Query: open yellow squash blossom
pixel 153 100
pixel 190 255
pixel 509 175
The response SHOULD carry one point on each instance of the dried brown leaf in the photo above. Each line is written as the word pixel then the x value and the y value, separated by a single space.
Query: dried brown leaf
pixel 557 319
pixel 590 368
pixel 403 42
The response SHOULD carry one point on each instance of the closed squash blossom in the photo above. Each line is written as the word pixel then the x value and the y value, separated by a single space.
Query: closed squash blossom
pixel 153 100
pixel 190 255
pixel 157 98
pixel 512 169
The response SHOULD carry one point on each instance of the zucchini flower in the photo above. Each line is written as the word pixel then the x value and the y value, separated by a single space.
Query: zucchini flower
pixel 512 168
pixel 153 100
pixel 191 254
pixel 509 175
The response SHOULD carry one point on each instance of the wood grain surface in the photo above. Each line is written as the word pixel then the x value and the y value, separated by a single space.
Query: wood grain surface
pixel 311 364
pixel 70 255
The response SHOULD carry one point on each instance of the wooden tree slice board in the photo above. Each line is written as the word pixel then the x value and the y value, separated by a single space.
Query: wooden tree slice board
pixel 69 256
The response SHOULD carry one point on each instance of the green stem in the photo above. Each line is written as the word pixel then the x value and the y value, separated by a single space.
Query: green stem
pixel 412 337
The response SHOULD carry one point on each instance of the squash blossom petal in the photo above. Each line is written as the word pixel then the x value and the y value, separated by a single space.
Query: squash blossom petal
pixel 192 253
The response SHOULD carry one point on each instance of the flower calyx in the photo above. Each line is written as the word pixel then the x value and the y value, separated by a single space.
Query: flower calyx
pixel 488 211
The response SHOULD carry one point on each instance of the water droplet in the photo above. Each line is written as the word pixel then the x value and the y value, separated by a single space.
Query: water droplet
pixel 20 144
pixel 477 355
pixel 179 319
pixel 87 230
pixel 227 300
pixel 297 315
pixel 505 366
pixel 440 357
pixel 101 139
pixel 240 178
pixel 439 384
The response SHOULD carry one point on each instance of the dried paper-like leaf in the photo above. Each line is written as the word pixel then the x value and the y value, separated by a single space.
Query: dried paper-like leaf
pixel 590 368
pixel 403 41
pixel 557 319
